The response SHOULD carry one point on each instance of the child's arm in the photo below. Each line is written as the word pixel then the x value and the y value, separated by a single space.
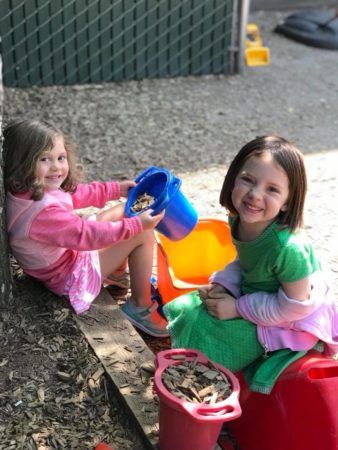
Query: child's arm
pixel 219 296
pixel 230 278
pixel 262 308
pixel 148 220
pixel 218 301
pixel 99 193
pixel 212 290
pixel 57 226
pixel 278 308
pixel 298 290
pixel 293 266
pixel 222 306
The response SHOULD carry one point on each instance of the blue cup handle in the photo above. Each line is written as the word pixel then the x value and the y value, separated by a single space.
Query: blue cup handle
pixel 175 184
pixel 146 173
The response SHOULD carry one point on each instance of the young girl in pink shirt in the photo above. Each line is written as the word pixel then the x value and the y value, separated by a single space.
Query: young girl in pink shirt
pixel 72 255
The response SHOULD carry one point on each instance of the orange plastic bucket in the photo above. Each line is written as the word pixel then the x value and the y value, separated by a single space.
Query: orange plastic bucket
pixel 183 266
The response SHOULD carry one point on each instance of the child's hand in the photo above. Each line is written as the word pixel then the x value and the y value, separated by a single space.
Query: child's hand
pixel 222 308
pixel 203 292
pixel 148 221
pixel 125 186
pixel 213 290
pixel 217 291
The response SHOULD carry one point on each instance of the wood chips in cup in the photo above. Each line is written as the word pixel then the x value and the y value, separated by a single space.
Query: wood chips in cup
pixel 142 203
pixel 196 382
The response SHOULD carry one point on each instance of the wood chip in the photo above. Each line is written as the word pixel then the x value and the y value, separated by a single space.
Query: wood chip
pixel 148 366
pixel 98 373
pixel 210 374
pixel 64 376
pixel 190 381
pixel 143 202
pixel 178 357
pixel 41 394
pixel 205 391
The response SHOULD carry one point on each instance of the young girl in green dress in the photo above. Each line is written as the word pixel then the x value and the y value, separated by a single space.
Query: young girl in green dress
pixel 274 295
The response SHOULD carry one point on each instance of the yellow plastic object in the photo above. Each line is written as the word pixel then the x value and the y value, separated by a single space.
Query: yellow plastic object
pixel 185 265
pixel 257 56
pixel 255 53
pixel 253 38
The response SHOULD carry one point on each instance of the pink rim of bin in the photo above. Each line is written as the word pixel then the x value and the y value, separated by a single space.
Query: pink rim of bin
pixel 228 409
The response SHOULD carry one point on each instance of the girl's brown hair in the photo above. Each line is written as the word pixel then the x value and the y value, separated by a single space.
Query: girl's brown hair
pixel 24 142
pixel 289 158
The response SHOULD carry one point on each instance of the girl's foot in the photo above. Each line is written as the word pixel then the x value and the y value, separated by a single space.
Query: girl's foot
pixel 146 318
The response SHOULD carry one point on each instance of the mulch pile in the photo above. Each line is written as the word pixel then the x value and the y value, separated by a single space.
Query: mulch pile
pixel 54 393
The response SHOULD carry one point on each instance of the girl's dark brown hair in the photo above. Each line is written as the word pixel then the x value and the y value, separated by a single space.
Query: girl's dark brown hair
pixel 289 158
pixel 24 142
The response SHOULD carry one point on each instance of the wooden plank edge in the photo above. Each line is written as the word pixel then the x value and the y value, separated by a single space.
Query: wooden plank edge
pixel 122 352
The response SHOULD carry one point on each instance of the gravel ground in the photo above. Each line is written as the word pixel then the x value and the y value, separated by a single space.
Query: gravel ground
pixel 192 126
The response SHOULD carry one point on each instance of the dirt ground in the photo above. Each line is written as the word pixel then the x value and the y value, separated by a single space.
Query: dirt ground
pixel 52 394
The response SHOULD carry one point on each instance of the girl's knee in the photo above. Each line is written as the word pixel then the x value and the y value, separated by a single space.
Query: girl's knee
pixel 112 214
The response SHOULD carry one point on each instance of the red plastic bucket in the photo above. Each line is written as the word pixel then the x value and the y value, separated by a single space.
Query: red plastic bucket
pixel 185 425
pixel 300 413
pixel 103 446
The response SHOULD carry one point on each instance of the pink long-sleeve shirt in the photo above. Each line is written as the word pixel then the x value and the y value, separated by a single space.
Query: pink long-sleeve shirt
pixel 283 322
pixel 46 236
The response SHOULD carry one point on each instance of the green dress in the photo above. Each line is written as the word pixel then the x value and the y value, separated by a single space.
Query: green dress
pixel 231 343
pixel 275 256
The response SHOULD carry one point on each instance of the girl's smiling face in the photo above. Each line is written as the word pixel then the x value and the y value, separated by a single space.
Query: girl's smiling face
pixel 52 166
pixel 260 193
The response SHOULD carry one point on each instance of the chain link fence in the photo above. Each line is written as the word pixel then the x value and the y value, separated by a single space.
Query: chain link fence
pixel 53 42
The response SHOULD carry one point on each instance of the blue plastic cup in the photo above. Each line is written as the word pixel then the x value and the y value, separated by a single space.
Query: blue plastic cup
pixel 180 216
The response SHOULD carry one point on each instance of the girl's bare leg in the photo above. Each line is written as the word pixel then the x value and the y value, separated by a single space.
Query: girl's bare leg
pixel 114 214
pixel 140 269
pixel 111 214
pixel 139 251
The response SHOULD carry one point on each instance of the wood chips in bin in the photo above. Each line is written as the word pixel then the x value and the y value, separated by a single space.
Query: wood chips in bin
pixel 142 203
pixel 196 382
